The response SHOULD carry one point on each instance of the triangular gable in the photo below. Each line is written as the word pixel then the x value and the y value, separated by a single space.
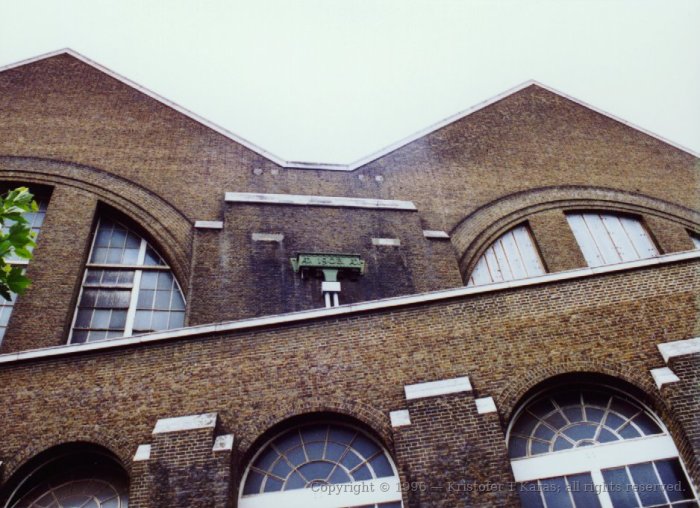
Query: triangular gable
pixel 360 162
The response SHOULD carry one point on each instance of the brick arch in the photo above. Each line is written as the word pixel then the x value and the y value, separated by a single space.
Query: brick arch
pixel 475 232
pixel 92 436
pixel 375 420
pixel 166 225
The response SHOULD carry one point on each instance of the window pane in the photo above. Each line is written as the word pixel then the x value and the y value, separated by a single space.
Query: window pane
pixel 647 484
pixel 512 256
pixel 583 491
pixel 673 479
pixel 530 496
pixel 607 238
pixel 620 488
pixel 555 493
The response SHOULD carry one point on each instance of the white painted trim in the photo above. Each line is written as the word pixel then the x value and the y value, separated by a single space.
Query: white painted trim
pixel 386 242
pixel 602 456
pixel 359 162
pixel 223 443
pixel 663 376
pixel 370 492
pixel 435 388
pixel 330 287
pixel 181 423
pixel 400 418
pixel 435 235
pixel 679 348
pixel 143 452
pixel 485 405
pixel 209 224
pixel 306 200
pixel 321 313
pixel 267 237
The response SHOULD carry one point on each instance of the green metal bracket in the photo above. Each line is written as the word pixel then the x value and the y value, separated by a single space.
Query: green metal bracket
pixel 328 264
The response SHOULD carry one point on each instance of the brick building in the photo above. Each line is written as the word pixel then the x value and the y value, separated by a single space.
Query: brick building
pixel 500 311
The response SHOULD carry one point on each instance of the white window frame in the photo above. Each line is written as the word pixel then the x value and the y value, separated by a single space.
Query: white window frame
pixel 608 237
pixel 595 459
pixel 138 270
pixel 514 251
pixel 376 491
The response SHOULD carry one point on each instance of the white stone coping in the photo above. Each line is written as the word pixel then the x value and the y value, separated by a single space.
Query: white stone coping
pixel 209 224
pixel 400 418
pixel 321 313
pixel 435 388
pixel 143 452
pixel 663 376
pixel 386 242
pixel 180 423
pixel 267 237
pixel 223 443
pixel 679 348
pixel 304 200
pixel 436 235
pixel 485 405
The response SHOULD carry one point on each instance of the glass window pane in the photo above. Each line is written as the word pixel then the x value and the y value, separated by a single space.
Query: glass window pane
pixel 555 493
pixel 673 479
pixel 530 496
pixel 583 491
pixel 647 484
pixel 620 488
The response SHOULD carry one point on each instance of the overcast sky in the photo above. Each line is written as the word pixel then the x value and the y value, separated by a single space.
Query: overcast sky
pixel 333 81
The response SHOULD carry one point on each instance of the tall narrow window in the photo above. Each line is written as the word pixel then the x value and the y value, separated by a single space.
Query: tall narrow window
pixel 35 220
pixel 594 447
pixel 512 256
pixel 607 238
pixel 127 288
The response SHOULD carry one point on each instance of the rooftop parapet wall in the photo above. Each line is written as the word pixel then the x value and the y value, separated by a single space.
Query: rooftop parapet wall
pixel 505 340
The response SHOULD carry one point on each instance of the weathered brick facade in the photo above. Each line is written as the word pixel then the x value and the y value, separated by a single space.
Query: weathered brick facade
pixel 102 148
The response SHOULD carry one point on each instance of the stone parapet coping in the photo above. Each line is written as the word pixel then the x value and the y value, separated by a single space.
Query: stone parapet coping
pixel 321 313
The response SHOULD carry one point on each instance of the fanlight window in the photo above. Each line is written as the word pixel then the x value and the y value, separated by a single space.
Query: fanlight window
pixel 512 256
pixel 607 238
pixel 35 220
pixel 594 448
pixel 82 481
pixel 127 288
pixel 324 466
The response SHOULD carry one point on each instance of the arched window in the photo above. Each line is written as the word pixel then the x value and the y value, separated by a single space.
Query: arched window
pixel 512 256
pixel 321 466
pixel 127 288
pixel 35 220
pixel 594 447
pixel 696 240
pixel 608 238
pixel 89 480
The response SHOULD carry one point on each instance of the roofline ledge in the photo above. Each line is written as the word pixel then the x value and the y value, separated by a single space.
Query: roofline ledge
pixel 343 310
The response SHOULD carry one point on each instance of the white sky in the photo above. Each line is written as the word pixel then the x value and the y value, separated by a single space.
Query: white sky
pixel 333 81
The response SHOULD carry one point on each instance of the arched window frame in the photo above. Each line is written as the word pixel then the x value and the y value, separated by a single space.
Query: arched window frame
pixel 379 492
pixel 513 255
pixel 36 220
pixel 596 459
pixel 25 490
pixel 138 269
pixel 608 237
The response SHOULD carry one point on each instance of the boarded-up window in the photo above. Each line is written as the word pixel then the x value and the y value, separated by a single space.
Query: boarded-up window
pixel 607 238
pixel 512 256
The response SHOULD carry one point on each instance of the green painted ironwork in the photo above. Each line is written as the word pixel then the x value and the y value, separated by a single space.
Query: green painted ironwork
pixel 328 262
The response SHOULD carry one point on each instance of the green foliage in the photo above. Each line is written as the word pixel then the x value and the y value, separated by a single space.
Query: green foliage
pixel 16 239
